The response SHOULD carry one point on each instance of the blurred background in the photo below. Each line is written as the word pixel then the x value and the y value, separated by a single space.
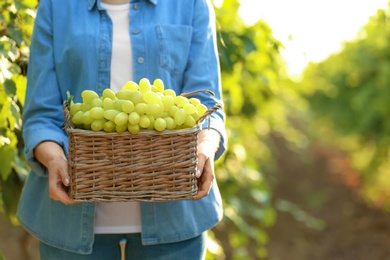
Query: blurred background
pixel 307 88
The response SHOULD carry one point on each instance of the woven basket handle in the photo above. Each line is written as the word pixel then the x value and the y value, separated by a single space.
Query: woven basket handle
pixel 209 112
pixel 196 92
pixel 67 123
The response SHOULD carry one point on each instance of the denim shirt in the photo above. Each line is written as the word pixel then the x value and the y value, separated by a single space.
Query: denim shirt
pixel 71 50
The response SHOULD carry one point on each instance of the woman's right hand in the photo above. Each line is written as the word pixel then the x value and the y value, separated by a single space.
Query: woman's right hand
pixel 52 156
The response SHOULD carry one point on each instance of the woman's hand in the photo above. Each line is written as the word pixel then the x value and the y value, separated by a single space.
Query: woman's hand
pixel 52 156
pixel 208 142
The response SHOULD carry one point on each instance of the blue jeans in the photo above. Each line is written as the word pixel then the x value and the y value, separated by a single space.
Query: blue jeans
pixel 106 247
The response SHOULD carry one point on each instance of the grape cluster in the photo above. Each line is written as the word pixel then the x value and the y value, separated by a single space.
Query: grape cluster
pixel 135 107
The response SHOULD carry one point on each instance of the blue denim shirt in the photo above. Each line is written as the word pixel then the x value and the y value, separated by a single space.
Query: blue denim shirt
pixel 71 50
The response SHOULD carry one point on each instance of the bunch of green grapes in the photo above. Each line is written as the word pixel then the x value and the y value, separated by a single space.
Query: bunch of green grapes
pixel 136 107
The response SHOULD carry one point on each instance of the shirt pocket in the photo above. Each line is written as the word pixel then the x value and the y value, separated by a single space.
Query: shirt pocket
pixel 174 42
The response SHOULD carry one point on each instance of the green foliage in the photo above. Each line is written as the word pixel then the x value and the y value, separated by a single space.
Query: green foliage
pixel 255 104
pixel 350 93
pixel 16 23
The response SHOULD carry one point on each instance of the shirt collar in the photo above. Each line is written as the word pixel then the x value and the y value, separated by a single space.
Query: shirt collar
pixel 91 3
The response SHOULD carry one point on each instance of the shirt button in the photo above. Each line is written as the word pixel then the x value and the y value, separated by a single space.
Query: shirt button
pixel 136 7
pixel 136 31
pixel 140 60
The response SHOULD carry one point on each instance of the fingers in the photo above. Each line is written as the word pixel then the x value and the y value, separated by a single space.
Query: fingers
pixel 58 183
pixel 206 179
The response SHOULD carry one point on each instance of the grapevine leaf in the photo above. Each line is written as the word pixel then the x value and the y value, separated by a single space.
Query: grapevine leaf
pixel 69 98
pixel 10 87
pixel 17 118
pixel 7 155
pixel 21 167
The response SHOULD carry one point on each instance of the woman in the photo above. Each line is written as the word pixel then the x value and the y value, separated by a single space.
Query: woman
pixel 95 44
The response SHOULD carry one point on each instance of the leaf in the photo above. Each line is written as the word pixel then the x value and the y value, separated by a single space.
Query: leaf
pixel 11 190
pixel 69 98
pixel 21 167
pixel 10 87
pixel 8 46
pixel 7 156
pixel 16 116
pixel 21 83
pixel 26 3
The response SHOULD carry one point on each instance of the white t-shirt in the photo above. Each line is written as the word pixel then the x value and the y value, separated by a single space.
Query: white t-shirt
pixel 119 217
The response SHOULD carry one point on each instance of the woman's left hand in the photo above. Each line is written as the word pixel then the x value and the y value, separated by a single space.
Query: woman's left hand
pixel 208 142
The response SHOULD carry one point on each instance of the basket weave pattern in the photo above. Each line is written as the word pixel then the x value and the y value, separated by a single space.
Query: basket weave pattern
pixel 148 166
pixel 122 167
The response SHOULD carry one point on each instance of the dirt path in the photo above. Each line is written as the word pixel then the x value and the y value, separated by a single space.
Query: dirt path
pixel 322 183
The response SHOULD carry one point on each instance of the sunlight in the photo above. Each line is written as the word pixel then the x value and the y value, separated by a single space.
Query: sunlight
pixel 311 30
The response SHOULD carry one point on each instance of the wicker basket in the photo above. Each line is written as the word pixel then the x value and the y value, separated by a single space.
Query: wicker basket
pixel 148 166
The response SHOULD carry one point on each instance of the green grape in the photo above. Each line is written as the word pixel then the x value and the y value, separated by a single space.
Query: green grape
pixel 130 85
pixel 159 113
pixel 121 128
pixel 180 116
pixel 110 114
pixel 151 97
pixel 136 97
pixel 165 114
pixel 87 119
pixel 121 119
pixel 172 110
pixel 74 108
pixel 108 103
pixel 170 92
pixel 144 85
pixel 133 129
pixel 108 93
pixel 97 102
pixel 144 121
pixel 201 108
pixel 85 107
pixel 167 101
pixel 189 109
pixel 118 104
pixel 152 109
pixel 160 124
pixel 109 127
pixel 195 116
pixel 170 123
pixel 97 113
pixel 181 101
pixel 77 118
pixel 87 126
pixel 88 96
pixel 127 106
pixel 98 124
pixel 151 119
pixel 124 94
pixel 134 118
pixel 154 88
pixel 141 108
pixel 189 121
pixel 159 85
pixel 194 101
